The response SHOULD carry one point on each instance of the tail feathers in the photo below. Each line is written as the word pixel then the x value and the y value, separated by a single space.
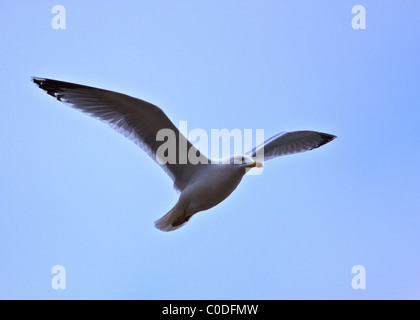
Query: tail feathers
pixel 173 220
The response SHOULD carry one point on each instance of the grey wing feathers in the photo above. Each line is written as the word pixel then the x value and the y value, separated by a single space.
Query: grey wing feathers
pixel 289 143
pixel 134 118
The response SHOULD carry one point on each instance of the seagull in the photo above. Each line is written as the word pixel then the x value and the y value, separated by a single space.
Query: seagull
pixel 201 185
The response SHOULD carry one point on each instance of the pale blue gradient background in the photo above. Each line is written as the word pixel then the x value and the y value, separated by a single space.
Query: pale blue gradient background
pixel 75 193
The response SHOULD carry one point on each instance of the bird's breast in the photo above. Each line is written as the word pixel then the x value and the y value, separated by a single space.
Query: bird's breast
pixel 211 187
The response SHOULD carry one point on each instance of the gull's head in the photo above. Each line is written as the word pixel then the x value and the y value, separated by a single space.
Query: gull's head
pixel 245 160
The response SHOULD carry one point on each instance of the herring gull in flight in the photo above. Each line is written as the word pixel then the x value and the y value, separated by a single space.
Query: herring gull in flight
pixel 202 185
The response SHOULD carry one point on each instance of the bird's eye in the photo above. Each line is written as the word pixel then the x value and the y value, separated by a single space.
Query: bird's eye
pixel 243 159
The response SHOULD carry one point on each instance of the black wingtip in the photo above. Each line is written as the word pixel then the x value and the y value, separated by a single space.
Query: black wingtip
pixel 48 85
pixel 328 137
pixel 325 138
pixel 38 81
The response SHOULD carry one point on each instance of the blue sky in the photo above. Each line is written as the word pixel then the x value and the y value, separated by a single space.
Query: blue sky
pixel 77 194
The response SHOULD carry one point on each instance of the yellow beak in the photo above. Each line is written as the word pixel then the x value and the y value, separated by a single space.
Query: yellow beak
pixel 257 164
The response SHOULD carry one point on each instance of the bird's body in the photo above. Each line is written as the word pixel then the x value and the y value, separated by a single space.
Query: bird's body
pixel 202 185
pixel 211 186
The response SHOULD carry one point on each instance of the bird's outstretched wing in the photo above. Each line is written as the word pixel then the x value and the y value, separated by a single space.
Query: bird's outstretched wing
pixel 285 143
pixel 136 119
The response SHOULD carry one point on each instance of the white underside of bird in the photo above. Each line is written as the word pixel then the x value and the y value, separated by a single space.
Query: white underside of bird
pixel 202 185
pixel 213 184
